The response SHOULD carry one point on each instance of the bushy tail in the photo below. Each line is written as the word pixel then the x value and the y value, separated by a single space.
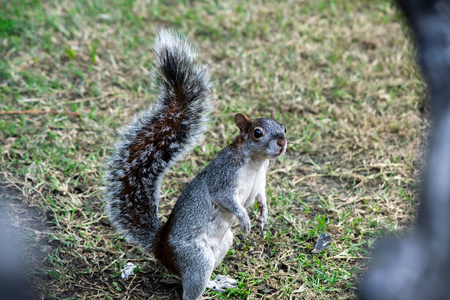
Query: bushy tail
pixel 156 139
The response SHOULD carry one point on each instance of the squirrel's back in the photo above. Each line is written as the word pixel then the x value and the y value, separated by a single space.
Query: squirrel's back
pixel 157 138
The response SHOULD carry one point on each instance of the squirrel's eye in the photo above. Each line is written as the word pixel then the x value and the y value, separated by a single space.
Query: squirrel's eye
pixel 257 133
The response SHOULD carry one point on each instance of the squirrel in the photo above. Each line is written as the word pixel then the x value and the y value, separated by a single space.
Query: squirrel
pixel 197 234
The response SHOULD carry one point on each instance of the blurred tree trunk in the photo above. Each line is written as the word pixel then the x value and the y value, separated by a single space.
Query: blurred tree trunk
pixel 417 267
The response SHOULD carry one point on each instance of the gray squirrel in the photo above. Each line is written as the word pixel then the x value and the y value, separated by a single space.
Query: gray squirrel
pixel 197 234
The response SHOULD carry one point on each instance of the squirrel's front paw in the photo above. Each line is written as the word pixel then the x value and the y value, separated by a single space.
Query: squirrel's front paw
pixel 261 222
pixel 245 224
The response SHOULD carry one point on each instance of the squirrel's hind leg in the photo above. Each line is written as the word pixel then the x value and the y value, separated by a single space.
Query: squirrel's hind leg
pixel 222 282
pixel 197 265
pixel 197 269
pixel 224 246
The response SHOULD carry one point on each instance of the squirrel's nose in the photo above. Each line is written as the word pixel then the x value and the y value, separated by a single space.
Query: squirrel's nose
pixel 281 142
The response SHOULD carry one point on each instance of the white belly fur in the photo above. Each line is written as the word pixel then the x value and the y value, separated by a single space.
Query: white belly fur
pixel 251 182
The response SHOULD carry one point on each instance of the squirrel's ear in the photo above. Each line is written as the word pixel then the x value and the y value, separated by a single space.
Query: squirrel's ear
pixel 272 114
pixel 243 122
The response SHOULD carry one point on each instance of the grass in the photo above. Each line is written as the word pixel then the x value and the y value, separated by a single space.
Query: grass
pixel 341 75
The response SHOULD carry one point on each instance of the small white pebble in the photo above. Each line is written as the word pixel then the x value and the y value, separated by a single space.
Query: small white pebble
pixel 127 270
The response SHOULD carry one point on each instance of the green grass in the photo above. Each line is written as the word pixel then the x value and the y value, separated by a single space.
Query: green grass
pixel 340 74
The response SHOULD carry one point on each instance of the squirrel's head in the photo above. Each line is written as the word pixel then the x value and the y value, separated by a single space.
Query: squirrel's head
pixel 263 137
